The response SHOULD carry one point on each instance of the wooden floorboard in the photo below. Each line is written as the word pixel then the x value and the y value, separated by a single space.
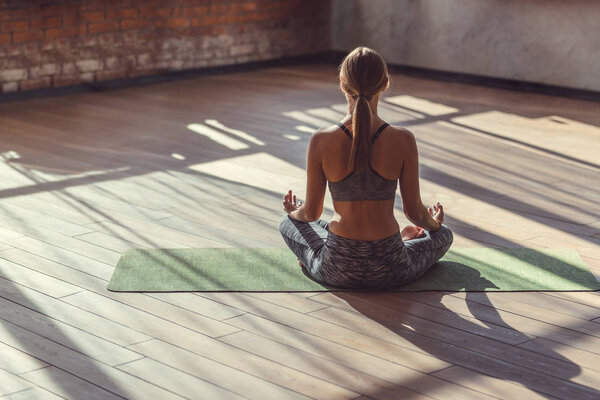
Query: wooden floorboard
pixel 84 177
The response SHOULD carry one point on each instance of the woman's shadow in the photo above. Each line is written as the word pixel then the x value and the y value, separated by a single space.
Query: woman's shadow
pixel 485 344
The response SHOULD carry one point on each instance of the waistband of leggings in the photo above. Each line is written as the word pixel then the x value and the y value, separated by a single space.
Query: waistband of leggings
pixel 332 237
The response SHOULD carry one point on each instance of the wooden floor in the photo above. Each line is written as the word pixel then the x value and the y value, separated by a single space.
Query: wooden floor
pixel 204 163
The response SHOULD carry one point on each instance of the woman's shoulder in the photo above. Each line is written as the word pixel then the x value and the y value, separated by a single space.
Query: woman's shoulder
pixel 397 135
pixel 401 131
pixel 333 132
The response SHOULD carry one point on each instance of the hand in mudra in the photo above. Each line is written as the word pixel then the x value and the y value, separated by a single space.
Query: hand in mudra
pixel 289 202
pixel 410 232
pixel 437 212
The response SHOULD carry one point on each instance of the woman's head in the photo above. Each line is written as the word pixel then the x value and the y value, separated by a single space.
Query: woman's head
pixel 363 74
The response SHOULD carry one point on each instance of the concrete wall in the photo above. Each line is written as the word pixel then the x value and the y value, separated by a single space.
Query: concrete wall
pixel 554 42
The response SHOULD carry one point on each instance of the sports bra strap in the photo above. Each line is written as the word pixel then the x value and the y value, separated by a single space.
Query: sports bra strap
pixel 346 131
pixel 381 128
pixel 375 136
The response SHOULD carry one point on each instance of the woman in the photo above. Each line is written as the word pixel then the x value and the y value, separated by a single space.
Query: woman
pixel 363 158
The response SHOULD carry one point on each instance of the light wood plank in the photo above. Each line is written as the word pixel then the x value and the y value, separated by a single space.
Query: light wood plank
pixel 59 332
pixel 462 349
pixel 184 384
pixel 413 313
pixel 32 393
pixel 243 376
pixel 10 383
pixel 161 318
pixel 338 334
pixel 33 279
pixel 495 387
pixel 79 364
pixel 66 385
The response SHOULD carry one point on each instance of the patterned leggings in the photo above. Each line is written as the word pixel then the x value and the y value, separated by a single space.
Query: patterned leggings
pixel 358 264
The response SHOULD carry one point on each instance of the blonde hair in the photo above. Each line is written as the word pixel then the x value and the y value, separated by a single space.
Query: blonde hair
pixel 363 74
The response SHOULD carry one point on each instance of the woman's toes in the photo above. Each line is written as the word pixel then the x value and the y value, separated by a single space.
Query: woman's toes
pixel 300 263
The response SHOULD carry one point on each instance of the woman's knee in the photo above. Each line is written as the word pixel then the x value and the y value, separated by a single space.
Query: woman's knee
pixel 445 234
pixel 284 224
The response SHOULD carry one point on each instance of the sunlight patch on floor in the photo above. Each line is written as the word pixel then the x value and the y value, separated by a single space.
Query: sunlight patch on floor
pixel 241 134
pixel 217 137
pixel 421 105
pixel 260 170
pixel 292 137
pixel 305 129
pixel 557 134
pixel 303 117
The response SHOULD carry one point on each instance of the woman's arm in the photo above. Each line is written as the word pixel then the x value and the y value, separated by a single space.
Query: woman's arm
pixel 316 183
pixel 412 205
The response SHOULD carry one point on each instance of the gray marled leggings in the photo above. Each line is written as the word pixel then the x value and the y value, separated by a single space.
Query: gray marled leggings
pixel 364 265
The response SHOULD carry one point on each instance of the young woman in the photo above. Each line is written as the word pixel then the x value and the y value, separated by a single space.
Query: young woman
pixel 363 158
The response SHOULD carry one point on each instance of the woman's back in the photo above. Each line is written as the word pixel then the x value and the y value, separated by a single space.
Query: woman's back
pixel 363 219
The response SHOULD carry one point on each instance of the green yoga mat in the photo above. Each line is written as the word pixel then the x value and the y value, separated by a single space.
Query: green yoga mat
pixel 277 270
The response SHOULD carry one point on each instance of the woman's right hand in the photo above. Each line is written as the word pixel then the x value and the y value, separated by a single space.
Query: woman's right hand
pixel 437 212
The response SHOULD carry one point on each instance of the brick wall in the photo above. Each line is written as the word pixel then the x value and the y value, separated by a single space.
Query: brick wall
pixel 58 43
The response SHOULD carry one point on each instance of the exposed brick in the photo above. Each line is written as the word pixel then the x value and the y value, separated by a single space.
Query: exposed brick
pixel 47 45
pixel 72 19
pixel 36 83
pixel 191 12
pixel 144 59
pixel 127 24
pixel 89 65
pixel 48 9
pixel 59 80
pixel 176 64
pixel 15 26
pixel 112 62
pixel 173 23
pixel 70 31
pixel 43 70
pixel 13 75
pixel 46 22
pixel 70 42
pixel 69 69
pixel 30 49
pixel 162 65
pixel 246 6
pixel 10 87
pixel 88 41
pixel 115 74
pixel 219 8
pixel 90 16
pixel 104 26
pixel 19 13
pixel 87 77
pixel 148 12
pixel 241 49
pixel 108 39
pixel 128 13
pixel 210 20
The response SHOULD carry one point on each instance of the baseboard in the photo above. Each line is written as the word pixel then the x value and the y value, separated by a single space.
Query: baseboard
pixel 331 56
pixel 324 56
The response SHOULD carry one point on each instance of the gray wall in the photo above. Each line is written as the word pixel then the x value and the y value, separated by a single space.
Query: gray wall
pixel 555 42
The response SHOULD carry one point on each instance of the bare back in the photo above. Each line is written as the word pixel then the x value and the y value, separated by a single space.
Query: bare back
pixel 364 219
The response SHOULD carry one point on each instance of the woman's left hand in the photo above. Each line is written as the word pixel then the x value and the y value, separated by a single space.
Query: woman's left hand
pixel 410 232
pixel 289 202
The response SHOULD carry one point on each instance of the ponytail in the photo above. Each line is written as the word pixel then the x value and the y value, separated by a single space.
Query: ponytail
pixel 361 126
pixel 363 75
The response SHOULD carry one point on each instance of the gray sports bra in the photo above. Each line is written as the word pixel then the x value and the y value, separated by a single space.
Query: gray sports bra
pixel 363 185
